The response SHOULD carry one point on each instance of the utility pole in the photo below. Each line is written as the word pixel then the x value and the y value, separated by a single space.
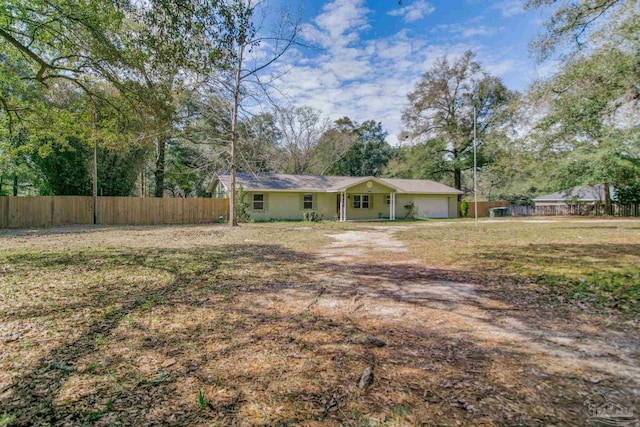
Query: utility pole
pixel 475 168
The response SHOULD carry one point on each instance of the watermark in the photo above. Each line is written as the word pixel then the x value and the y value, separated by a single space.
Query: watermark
pixel 604 410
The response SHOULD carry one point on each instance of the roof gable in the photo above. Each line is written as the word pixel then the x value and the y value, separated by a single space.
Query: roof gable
pixel 351 182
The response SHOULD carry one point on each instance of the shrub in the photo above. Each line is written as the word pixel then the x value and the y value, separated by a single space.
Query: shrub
pixel 311 216
pixel 628 194
pixel 411 210
pixel 242 206
pixel 464 208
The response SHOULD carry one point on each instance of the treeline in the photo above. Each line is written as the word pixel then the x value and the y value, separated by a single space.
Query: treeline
pixel 578 126
pixel 160 97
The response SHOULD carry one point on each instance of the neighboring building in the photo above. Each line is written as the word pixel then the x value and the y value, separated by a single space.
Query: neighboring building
pixel 278 196
pixel 592 194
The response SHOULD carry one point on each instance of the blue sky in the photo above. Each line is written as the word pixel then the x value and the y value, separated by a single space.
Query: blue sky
pixel 370 53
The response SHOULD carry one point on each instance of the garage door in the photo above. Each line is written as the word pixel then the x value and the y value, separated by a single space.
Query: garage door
pixel 432 206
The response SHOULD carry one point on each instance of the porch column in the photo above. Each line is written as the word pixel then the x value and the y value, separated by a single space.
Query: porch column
pixel 392 206
pixel 344 198
pixel 343 209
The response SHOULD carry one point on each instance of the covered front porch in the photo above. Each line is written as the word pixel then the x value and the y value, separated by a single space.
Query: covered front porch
pixel 367 200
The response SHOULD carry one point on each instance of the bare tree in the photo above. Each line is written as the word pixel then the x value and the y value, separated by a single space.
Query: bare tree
pixel 300 130
pixel 573 22
pixel 246 78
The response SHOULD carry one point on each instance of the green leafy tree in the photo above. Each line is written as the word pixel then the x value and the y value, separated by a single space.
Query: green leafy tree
pixel 368 155
pixel 441 107
pixel 119 169
pixel 628 194
pixel 592 113
pixel 64 170
pixel 188 169
pixel 421 161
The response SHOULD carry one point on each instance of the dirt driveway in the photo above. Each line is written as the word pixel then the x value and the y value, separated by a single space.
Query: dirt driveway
pixel 550 363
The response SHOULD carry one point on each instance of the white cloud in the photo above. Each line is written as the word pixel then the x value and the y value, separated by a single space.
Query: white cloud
pixel 414 11
pixel 341 16
pixel 509 7
pixel 368 79
pixel 500 67
pixel 467 31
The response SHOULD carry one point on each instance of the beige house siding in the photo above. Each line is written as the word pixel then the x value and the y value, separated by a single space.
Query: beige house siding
pixel 377 201
pixel 219 192
pixel 453 207
pixel 377 206
pixel 289 205
pixel 280 205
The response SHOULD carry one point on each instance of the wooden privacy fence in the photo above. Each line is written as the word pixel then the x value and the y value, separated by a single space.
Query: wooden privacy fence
pixel 45 211
pixel 578 209
pixel 483 208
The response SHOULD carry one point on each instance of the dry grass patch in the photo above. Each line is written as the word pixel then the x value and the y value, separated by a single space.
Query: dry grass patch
pixel 257 326
pixel 591 262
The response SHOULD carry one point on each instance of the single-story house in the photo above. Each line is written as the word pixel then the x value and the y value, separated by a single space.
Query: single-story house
pixel 280 196
pixel 589 194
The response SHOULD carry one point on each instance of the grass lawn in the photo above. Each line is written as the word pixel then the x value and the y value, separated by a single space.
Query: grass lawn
pixel 518 323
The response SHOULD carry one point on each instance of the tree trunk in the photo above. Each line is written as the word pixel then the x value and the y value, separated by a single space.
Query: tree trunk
pixel 607 199
pixel 233 220
pixel 457 178
pixel 1 183
pixel 160 165
pixel 143 183
pixel 15 184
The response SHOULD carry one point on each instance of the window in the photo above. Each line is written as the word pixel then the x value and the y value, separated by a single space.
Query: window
pixel 361 201
pixel 388 199
pixel 307 201
pixel 258 202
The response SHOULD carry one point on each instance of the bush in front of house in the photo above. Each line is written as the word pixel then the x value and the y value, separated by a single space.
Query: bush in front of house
pixel 311 216
pixel 464 208
pixel 411 210
pixel 242 206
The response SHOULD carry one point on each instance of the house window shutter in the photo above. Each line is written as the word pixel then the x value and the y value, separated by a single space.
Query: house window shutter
pixel 371 197
pixel 266 201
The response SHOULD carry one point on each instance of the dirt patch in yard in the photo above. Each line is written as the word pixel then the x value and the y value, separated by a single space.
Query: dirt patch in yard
pixel 352 244
pixel 544 354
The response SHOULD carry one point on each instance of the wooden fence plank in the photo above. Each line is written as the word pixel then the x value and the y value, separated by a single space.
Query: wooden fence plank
pixel 580 209
pixel 45 211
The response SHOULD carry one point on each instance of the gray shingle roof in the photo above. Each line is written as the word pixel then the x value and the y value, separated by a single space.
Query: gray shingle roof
pixel 585 193
pixel 284 182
